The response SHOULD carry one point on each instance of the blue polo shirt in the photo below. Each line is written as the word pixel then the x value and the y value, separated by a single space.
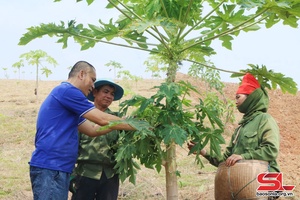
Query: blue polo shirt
pixel 56 140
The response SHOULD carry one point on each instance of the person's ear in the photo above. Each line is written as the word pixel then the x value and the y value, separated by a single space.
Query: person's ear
pixel 95 92
pixel 81 74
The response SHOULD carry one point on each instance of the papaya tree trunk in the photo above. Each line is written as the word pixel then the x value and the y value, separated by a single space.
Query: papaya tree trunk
pixel 171 177
pixel 37 81
pixel 171 166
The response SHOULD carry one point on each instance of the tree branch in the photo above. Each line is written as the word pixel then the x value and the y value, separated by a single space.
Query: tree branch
pixel 164 8
pixel 130 17
pixel 211 67
pixel 161 38
pixel 181 29
pixel 116 44
pixel 232 30
pixel 200 21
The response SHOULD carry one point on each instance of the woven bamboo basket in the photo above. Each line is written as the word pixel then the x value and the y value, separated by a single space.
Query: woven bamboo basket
pixel 239 182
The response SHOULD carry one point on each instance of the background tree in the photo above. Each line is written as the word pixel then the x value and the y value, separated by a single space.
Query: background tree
pixel 153 65
pixel 116 66
pixel 5 72
pixel 38 58
pixel 18 65
pixel 176 32
pixel 126 75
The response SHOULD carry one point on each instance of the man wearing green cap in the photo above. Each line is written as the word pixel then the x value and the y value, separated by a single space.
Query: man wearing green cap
pixel 95 177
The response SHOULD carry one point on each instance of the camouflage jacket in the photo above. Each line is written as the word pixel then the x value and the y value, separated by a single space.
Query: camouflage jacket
pixel 257 137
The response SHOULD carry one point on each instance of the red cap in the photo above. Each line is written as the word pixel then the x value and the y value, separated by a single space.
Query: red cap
pixel 249 84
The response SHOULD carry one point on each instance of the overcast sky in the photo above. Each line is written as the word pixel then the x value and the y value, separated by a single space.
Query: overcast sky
pixel 277 48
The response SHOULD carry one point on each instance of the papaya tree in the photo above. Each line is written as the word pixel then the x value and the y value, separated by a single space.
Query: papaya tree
pixel 5 72
pixel 175 31
pixel 37 58
pixel 18 65
pixel 153 66
pixel 115 65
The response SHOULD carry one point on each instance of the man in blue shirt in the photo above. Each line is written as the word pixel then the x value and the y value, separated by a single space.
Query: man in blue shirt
pixel 61 116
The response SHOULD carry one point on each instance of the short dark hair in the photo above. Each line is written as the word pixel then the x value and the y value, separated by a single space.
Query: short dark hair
pixel 80 65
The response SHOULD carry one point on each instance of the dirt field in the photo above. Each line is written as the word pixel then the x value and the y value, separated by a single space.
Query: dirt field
pixel 19 108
